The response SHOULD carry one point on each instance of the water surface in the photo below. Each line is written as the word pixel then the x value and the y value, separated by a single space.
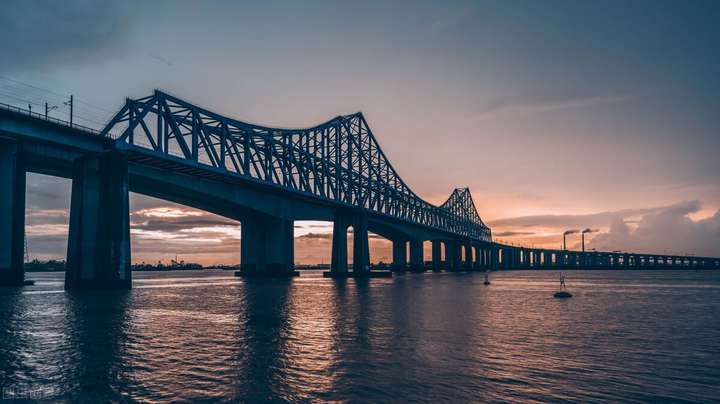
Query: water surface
pixel 624 336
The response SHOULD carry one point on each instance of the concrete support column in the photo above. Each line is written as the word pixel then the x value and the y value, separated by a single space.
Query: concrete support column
pixel 509 258
pixel 479 263
pixel 547 259
pixel 474 256
pixel 399 246
pixel 339 243
pixel 494 258
pixel 99 238
pixel 455 259
pixel 12 215
pixel 361 250
pixel 530 257
pixel 361 245
pixel 467 261
pixel 417 259
pixel 267 245
pixel 436 255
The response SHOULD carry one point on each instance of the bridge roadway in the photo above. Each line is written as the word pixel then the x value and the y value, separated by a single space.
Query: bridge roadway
pixel 104 167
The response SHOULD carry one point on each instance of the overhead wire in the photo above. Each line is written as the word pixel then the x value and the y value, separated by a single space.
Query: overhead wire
pixel 35 95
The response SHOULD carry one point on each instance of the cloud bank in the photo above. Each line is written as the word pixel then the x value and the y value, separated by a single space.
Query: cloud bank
pixel 666 230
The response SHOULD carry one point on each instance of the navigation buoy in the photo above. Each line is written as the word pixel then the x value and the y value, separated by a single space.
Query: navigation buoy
pixel 487 280
pixel 562 293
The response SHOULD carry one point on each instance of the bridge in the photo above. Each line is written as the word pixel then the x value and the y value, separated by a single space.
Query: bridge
pixel 265 178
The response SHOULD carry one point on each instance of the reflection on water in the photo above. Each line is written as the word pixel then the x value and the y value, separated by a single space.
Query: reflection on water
pixel 630 336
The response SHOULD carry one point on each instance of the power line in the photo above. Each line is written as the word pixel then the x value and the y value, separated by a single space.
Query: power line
pixel 76 116
pixel 30 85
pixel 63 96
pixel 35 95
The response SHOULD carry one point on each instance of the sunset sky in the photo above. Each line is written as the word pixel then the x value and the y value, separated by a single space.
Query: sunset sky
pixel 558 114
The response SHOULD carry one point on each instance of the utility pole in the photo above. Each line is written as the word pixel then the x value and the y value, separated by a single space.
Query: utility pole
pixel 70 103
pixel 48 109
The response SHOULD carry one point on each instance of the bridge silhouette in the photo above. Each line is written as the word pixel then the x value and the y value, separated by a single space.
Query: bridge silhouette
pixel 265 178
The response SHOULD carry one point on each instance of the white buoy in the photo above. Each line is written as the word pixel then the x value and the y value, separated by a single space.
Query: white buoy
pixel 562 293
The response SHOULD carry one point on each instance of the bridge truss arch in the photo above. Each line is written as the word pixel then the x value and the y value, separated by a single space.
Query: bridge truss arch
pixel 339 161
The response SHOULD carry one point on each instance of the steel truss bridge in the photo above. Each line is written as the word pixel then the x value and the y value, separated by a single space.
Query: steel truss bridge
pixel 339 161
pixel 264 177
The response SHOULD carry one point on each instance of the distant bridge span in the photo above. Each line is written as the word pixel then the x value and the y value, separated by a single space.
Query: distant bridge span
pixel 264 177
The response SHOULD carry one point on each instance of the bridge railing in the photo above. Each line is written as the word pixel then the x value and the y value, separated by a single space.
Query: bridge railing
pixel 57 121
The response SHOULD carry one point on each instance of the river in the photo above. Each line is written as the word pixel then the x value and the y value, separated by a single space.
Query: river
pixel 630 336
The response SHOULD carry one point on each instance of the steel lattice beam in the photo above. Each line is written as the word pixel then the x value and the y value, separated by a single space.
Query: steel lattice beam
pixel 339 160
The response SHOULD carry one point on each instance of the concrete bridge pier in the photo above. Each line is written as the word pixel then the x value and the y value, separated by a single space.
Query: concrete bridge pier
pixel 266 247
pixel 399 258
pixel 98 255
pixel 474 257
pixel 12 215
pixel 417 259
pixel 455 258
pixel 547 259
pixel 495 258
pixel 467 259
pixel 361 249
pixel 509 258
pixel 482 258
pixel 436 255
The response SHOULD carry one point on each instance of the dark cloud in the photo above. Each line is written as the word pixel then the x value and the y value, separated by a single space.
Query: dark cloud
pixel 44 217
pixel 178 224
pixel 513 233
pixel 315 236
pixel 41 34
pixel 530 103
pixel 594 219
